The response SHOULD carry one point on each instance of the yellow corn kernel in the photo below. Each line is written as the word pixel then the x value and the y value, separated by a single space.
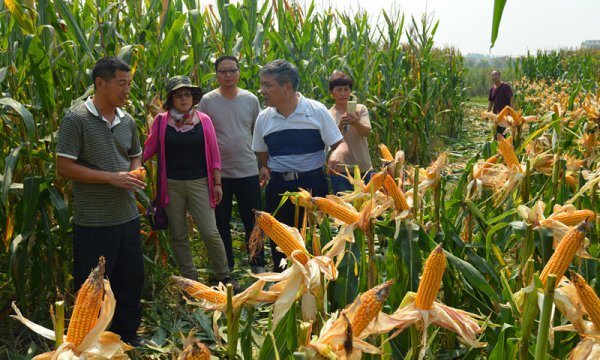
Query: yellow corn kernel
pixel 277 232
pixel 200 291
pixel 431 279
pixel 573 218
pixel 394 191
pixel 195 351
pixel 507 151
pixel 375 183
pixel 588 297
pixel 564 253
pixel 87 305
pixel 338 211
pixel 385 153
pixel 369 307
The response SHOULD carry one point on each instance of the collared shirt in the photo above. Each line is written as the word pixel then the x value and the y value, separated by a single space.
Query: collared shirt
pixel 88 138
pixel 89 104
pixel 296 142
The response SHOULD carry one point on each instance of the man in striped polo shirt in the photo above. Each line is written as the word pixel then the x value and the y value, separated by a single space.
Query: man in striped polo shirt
pixel 290 139
pixel 97 146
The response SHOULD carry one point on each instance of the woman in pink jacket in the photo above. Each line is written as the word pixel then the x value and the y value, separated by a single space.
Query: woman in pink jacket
pixel 189 175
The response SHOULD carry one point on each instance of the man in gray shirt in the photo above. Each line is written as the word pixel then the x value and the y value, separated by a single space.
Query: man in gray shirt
pixel 233 112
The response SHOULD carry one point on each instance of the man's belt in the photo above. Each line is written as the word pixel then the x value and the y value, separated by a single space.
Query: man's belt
pixel 295 175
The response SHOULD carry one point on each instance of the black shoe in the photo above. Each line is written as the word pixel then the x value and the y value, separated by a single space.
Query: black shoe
pixel 136 342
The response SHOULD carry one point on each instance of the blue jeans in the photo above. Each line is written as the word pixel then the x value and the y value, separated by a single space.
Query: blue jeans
pixel 340 183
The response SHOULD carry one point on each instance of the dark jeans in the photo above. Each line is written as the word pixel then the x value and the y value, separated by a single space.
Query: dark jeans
pixel 120 245
pixel 247 193
pixel 315 184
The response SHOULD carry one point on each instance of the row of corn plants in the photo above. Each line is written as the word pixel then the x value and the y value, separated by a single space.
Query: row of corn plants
pixel 580 66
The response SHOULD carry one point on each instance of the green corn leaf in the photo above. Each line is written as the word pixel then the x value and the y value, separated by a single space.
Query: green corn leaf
pixel 25 115
pixel 73 26
pixel 498 9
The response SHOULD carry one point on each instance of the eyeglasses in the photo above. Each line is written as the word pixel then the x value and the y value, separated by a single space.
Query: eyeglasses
pixel 228 71
pixel 182 95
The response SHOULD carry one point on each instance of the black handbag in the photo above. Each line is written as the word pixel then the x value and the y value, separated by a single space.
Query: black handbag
pixel 156 214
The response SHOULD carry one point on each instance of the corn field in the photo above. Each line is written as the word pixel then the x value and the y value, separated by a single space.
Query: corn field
pixel 409 265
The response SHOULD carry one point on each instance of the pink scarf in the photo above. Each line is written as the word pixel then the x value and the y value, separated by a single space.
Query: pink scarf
pixel 183 122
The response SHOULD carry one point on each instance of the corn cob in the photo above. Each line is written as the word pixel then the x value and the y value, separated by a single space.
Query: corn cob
pixel 502 114
pixel 434 170
pixel 338 211
pixel 140 173
pixel 573 218
pixel 195 351
pixel 87 305
pixel 375 183
pixel 588 297
pixel 564 253
pixel 277 232
pixel 508 153
pixel 431 279
pixel 385 153
pixel 395 192
pixel 200 291
pixel 486 165
pixel 369 306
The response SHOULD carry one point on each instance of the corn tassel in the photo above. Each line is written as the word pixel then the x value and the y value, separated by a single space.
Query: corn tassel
pixel 338 211
pixel 87 305
pixel 195 351
pixel 573 218
pixel 394 191
pixel 370 305
pixel 200 291
pixel 431 279
pixel 507 151
pixel 385 153
pixel 588 297
pixel 277 232
pixel 564 253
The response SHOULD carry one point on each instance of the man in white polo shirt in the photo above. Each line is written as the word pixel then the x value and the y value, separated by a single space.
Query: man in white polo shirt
pixel 290 139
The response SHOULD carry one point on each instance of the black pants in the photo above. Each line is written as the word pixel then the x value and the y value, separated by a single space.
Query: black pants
pixel 316 185
pixel 121 247
pixel 247 193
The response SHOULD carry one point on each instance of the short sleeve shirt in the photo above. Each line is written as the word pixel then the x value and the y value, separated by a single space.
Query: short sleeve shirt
pixel 90 140
pixel 233 120
pixel 358 145
pixel 297 142
pixel 500 96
